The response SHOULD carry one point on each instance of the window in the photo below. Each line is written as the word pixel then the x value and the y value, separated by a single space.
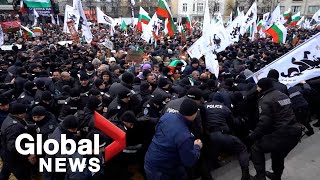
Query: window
pixel 313 9
pixel 282 8
pixel 295 9
pixel 200 7
pixel 184 7
pixel 194 7
pixel 241 8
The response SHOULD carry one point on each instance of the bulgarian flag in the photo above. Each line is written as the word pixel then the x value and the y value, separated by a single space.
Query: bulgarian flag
pixel 155 36
pixel 163 10
pixel 260 25
pixel 37 31
pixel 123 26
pixel 278 33
pixel 143 18
pixel 38 3
pixel 295 40
pixel 22 9
pixel 286 14
pixel 295 19
pixel 26 32
pixel 188 23
pixel 183 35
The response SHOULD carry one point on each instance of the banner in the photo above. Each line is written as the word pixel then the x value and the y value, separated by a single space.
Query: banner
pixel 86 31
pixel 10 26
pixel 300 64
pixel 73 32
pixel 215 40
pixel 41 11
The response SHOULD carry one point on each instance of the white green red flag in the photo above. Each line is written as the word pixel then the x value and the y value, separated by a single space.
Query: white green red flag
pixel 26 32
pixel 295 40
pixel 295 19
pixel 286 14
pixel 143 19
pixel 278 32
pixel 163 10
pixel 188 23
pixel 260 25
pixel 38 3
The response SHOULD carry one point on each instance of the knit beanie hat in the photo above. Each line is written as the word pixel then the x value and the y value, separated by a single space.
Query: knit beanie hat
pixel 162 82
pixel 38 111
pixel 17 108
pixel 274 74
pixel 194 93
pixel 74 92
pixel 98 82
pixel 29 86
pixel 70 122
pixel 124 93
pixel 46 96
pixel 4 100
pixel 127 77
pixel 265 84
pixel 188 107
pixel 218 97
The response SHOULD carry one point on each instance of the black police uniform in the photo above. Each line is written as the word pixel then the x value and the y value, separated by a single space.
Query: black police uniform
pixel 13 162
pixel 217 119
pixel 277 132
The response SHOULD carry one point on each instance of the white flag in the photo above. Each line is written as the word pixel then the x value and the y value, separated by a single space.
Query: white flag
pixel 300 22
pixel 1 37
pixel 316 16
pixel 104 19
pixel 266 16
pixel 298 65
pixel 35 15
pixel 58 20
pixel 216 40
pixel 194 50
pixel 70 15
pixel 230 19
pixel 275 16
pixel 206 20
pixel 147 34
pixel 53 21
pixel 133 2
pixel 86 32
pixel 212 63
pixel 249 18
pixel 234 28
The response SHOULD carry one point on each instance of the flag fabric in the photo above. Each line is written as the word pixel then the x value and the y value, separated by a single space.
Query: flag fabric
pixel 219 19
pixel 133 2
pixel 295 40
pixel 237 12
pixel 38 3
pixel 216 40
pixel 230 19
pixel 266 17
pixel 286 14
pixel 70 14
pixel 295 19
pixel 35 15
pixel 58 20
pixel 316 16
pixel 155 36
pixel 300 21
pixel 206 26
pixel 183 35
pixel 53 21
pixel 22 8
pixel 212 63
pixel 275 16
pixel 27 32
pixel 104 19
pixel 278 33
pixel 249 18
pixel 300 64
pixel 234 28
pixel 37 31
pixel 148 32
pixel 163 10
pixel 1 37
pixel 188 23
pixel 260 25
pixel 123 26
pixel 86 32
pixel 143 19
pixel 195 50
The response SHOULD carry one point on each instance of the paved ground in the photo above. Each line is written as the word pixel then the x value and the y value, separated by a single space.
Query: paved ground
pixel 303 163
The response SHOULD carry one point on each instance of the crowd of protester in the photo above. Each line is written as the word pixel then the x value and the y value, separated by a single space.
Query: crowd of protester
pixel 55 89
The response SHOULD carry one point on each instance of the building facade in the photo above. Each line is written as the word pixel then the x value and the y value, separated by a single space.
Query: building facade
pixel 306 7
pixel 195 8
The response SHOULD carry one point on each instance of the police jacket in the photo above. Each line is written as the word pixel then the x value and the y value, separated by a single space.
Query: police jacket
pixel 162 92
pixel 26 98
pixel 115 88
pixel 279 86
pixel 296 96
pixel 217 117
pixel 275 112
pixel 3 116
pixel 172 145
pixel 11 128
pixel 47 125
pixel 116 107
pixel 70 107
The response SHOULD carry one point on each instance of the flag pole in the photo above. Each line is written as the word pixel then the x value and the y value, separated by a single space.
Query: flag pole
pixel 283 55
